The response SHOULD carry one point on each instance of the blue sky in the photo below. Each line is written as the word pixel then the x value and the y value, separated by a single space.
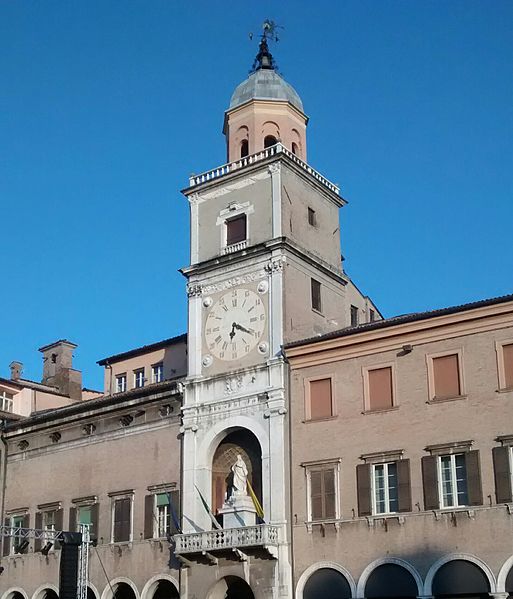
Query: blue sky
pixel 107 106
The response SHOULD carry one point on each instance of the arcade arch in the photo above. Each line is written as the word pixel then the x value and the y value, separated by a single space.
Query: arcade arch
pixel 231 587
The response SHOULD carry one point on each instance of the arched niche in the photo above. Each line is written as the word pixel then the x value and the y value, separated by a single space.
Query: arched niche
pixel 231 587
pixel 460 578
pixel 328 584
pixel 237 442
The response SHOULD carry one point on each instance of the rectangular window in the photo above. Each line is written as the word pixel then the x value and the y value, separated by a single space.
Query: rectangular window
pixel 316 295
pixel 157 373
pixel 311 217
pixel 6 401
pixel 384 488
pixel 85 514
pixel 372 315
pixel 380 389
pixel 139 378
pixel 322 494
pixel 320 400
pixel 452 477
pixel 505 363
pixel 354 316
pixel 446 376
pixel 17 541
pixel 236 229
pixel 162 515
pixel 120 383
pixel 48 525
pixel 122 519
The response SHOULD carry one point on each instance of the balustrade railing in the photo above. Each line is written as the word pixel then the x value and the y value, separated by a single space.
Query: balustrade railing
pixel 278 148
pixel 235 247
pixel 228 538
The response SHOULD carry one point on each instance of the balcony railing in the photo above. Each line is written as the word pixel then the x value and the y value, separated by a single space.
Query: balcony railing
pixel 235 247
pixel 262 535
pixel 278 148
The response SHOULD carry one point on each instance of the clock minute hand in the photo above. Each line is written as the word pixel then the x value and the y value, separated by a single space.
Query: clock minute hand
pixel 243 329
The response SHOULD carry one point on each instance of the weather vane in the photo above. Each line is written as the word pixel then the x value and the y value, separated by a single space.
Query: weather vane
pixel 264 59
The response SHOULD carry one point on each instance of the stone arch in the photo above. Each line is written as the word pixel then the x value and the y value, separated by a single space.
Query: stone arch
pixel 362 581
pixel 231 587
pixel 117 582
pixel 11 593
pixel 506 568
pixel 151 586
pixel 428 583
pixel 270 133
pixel 241 140
pixel 296 144
pixel 320 566
pixel 40 592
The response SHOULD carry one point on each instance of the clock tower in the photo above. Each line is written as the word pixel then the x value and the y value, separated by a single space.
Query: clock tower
pixel 265 270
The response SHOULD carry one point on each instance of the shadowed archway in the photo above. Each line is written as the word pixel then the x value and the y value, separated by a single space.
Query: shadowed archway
pixel 391 581
pixel 460 579
pixel 328 584
pixel 231 587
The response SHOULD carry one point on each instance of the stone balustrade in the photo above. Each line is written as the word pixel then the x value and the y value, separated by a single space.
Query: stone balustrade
pixel 261 535
pixel 278 148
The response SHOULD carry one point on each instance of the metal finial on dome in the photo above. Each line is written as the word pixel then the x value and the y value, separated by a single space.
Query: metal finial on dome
pixel 264 59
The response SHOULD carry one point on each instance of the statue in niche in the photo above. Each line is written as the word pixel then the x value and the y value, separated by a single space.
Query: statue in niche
pixel 240 478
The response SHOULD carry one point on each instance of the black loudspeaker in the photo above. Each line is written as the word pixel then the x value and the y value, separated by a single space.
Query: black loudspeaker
pixel 68 571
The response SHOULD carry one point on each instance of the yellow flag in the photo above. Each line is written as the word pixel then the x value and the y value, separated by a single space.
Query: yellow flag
pixel 258 507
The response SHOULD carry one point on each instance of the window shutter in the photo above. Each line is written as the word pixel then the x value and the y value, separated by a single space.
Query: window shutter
pixel 26 521
pixel 320 399
pixel 316 494
pixel 502 472
pixel 403 485
pixel 236 229
pixel 430 481
pixel 117 521
pixel 149 515
pixel 95 519
pixel 363 483
pixel 329 493
pixel 38 526
pixel 174 508
pixel 59 524
pixel 380 389
pixel 475 490
pixel 446 376
pixel 72 524
pixel 507 353
pixel 6 541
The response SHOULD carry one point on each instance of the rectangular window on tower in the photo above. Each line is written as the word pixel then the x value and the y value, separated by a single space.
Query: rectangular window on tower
pixel 312 220
pixel 316 295
pixel 354 316
pixel 236 229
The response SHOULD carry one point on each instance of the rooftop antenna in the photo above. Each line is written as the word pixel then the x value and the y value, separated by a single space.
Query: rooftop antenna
pixel 264 59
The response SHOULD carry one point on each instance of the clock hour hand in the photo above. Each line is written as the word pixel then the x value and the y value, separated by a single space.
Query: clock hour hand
pixel 232 332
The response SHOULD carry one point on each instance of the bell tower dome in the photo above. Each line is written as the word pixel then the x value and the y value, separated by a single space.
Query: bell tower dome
pixel 264 110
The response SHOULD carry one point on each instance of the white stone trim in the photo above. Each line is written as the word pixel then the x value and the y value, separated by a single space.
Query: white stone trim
pixel 428 583
pixel 151 586
pixel 107 593
pixel 14 590
pixel 318 566
pixel 364 577
pixel 503 574
pixel 44 587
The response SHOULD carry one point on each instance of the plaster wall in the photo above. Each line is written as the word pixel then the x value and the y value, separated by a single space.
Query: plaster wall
pixel 420 537
pixel 322 239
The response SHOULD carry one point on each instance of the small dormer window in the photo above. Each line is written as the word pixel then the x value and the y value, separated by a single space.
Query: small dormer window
pixel 236 229
pixel 269 140
pixel 244 148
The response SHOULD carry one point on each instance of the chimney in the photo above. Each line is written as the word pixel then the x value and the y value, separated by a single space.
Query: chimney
pixel 16 370
pixel 58 371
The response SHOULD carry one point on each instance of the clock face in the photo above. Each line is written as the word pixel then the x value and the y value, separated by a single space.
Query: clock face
pixel 235 324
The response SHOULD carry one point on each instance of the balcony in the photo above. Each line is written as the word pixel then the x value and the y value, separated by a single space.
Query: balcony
pixel 225 169
pixel 200 546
